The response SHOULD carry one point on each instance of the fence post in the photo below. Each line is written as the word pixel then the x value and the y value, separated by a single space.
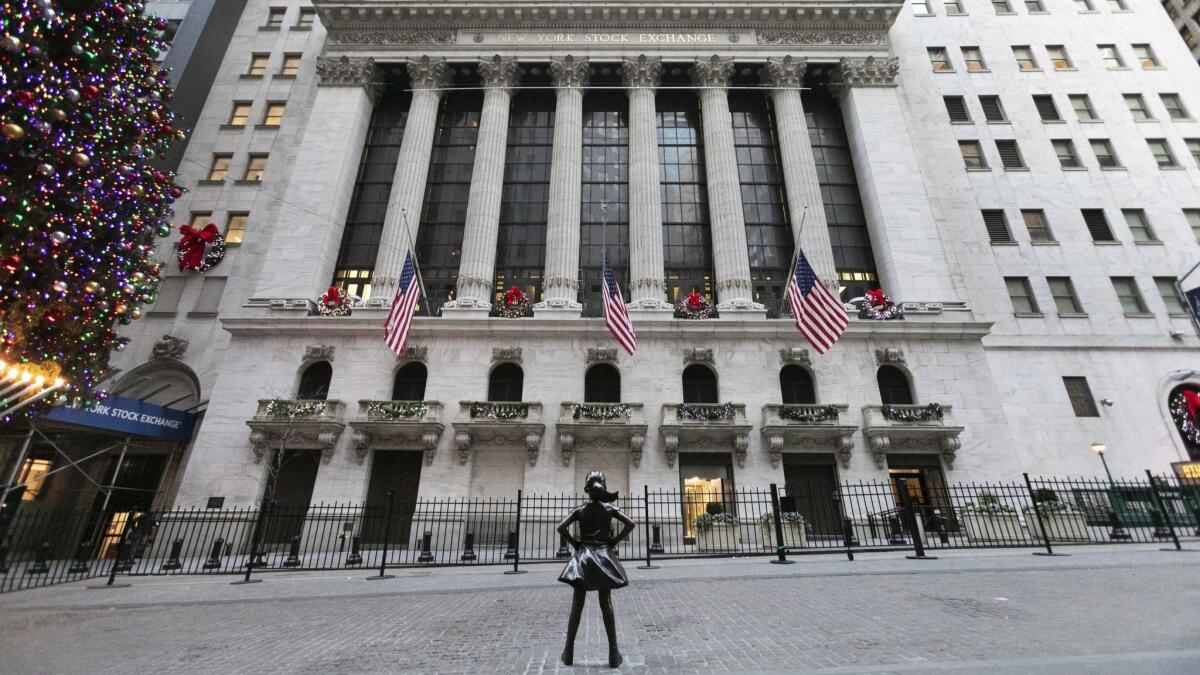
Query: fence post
pixel 1162 509
pixel 1040 521
pixel 387 533
pixel 255 543
pixel 780 546
pixel 910 521
pixel 517 547
pixel 653 542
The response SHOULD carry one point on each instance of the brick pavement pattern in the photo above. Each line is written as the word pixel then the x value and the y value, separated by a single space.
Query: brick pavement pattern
pixel 725 617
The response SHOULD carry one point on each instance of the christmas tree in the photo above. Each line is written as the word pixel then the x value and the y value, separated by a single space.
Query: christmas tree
pixel 83 113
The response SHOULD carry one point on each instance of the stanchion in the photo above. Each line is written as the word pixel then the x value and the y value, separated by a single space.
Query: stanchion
pixel 468 554
pixel 426 548
pixel 80 564
pixel 910 518
pixel 654 541
pixel 1162 511
pixel 173 562
pixel 255 555
pixel 515 542
pixel 780 545
pixel 563 551
pixel 293 559
pixel 355 557
pixel 214 555
pixel 387 533
pixel 1040 521
pixel 41 563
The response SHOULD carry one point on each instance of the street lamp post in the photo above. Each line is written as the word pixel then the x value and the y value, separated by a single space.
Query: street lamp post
pixel 1118 532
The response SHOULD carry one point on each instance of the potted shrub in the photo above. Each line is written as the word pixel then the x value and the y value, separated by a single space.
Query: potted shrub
pixel 795 529
pixel 716 530
pixel 989 519
pixel 1061 519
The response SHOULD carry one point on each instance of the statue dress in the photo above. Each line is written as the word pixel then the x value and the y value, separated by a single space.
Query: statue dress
pixel 594 566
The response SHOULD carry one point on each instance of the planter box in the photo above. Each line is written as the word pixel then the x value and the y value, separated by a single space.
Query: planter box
pixel 993 527
pixel 1062 526
pixel 794 536
pixel 717 539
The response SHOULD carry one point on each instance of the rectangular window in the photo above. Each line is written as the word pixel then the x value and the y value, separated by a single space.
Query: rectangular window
pixel 1010 154
pixel 993 110
pixel 1162 152
pixel 235 227
pixel 200 219
pixel 210 296
pixel 219 169
pixel 1067 157
pixel 239 115
pixel 167 299
pixel 273 115
pixel 1034 6
pixel 306 18
pixel 921 8
pixel 1081 397
pixel 1174 106
pixel 33 476
pixel 1059 57
pixel 1046 108
pixel 1084 5
pixel 1063 292
pixel 1036 224
pixel 1129 295
pixel 1097 225
pixel 956 108
pixel 1193 221
pixel 275 17
pixel 953 7
pixel 258 65
pixel 521 250
pixel 1105 155
pixel 1193 146
pixel 1145 56
pixel 687 235
pixel 973 58
pixel 1137 107
pixel 1002 7
pixel 1021 295
pixel 1110 56
pixel 996 224
pixel 1139 226
pixel 290 65
pixel 255 167
pixel 1024 56
pixel 940 59
pixel 972 154
pixel 1082 105
pixel 1169 292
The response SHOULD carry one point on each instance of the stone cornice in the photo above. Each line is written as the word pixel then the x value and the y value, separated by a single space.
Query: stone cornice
pixel 347 71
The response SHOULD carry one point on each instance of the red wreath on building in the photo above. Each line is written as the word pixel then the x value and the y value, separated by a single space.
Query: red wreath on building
pixel 200 250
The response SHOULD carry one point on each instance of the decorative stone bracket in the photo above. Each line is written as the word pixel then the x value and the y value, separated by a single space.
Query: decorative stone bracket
pixel 705 427
pixel 287 424
pixel 397 424
pixel 911 428
pixel 698 355
pixel 506 354
pixel 889 356
pixel 882 444
pixel 795 356
pixel 601 425
pixel 807 428
pixel 500 424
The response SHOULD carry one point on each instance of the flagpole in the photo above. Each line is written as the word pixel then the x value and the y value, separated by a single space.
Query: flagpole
pixel 796 243
pixel 416 268
pixel 604 232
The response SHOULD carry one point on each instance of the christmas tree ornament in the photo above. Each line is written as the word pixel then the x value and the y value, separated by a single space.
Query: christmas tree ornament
pixel 12 132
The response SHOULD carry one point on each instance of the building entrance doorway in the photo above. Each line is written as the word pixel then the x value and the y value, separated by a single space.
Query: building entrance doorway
pixel 705 478
pixel 812 483
pixel 922 476
pixel 400 472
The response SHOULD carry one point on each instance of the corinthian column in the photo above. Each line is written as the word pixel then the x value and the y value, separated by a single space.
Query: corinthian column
pixel 476 271
pixel 802 185
pixel 730 255
pixel 427 77
pixel 566 175
pixel 648 286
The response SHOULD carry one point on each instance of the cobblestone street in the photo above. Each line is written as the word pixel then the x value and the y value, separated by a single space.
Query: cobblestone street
pixel 1099 610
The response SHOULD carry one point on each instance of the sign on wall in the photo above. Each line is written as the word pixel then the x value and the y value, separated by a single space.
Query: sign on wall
pixel 130 417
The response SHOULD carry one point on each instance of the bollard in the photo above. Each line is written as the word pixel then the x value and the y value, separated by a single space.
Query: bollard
pixel 214 556
pixel 1195 514
pixel 468 554
pixel 355 557
pixel 1160 527
pixel 656 545
pixel 293 559
pixel 511 552
pixel 387 533
pixel 426 552
pixel 939 525
pixel 3 557
pixel 895 532
pixel 1041 522
pixel 777 517
pixel 562 548
pixel 124 555
pixel 1161 511
pixel 80 564
pixel 1118 532
pixel 40 564
pixel 848 538
pixel 871 526
pixel 173 563
pixel 909 513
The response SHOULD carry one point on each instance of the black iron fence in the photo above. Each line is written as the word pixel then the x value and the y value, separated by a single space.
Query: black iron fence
pixel 41 545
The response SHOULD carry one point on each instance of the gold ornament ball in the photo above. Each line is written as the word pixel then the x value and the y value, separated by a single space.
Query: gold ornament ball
pixel 91 286
pixel 81 159
pixel 12 132
pixel 136 314
pixel 58 114
pixel 139 276
pixel 121 308
pixel 139 190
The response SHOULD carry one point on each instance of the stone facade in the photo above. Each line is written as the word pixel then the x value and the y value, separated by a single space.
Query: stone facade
pixel 961 345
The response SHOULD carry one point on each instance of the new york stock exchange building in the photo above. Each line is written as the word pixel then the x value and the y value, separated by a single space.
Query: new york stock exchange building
pixel 1024 203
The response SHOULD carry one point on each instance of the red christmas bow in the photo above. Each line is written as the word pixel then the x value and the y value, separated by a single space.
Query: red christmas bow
pixel 333 296
pixel 1193 402
pixel 193 244
pixel 514 296
pixel 875 297
pixel 695 300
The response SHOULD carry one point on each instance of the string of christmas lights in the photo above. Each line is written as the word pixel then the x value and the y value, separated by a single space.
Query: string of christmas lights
pixel 84 110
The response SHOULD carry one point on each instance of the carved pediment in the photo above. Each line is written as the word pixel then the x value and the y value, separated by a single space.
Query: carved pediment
pixel 506 354
pixel 319 352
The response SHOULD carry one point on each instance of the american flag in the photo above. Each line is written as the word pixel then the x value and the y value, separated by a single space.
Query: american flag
pixel 404 305
pixel 616 317
pixel 820 316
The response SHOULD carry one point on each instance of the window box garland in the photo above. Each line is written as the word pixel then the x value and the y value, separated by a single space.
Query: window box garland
pixel 809 414
pixel 603 412
pixel 395 410
pixel 294 408
pixel 499 411
pixel 929 413
pixel 705 413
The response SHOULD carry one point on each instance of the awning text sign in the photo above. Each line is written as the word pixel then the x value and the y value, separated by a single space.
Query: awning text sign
pixel 130 417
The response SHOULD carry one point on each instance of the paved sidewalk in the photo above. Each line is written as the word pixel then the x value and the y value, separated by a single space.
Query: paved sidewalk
pixel 1102 609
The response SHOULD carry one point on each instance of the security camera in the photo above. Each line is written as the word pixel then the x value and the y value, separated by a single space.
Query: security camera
pixel 1181 375
pixel 1106 402
pixel 1177 334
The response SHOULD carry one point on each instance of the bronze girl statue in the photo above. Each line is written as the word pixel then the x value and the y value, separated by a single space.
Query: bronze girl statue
pixel 594 566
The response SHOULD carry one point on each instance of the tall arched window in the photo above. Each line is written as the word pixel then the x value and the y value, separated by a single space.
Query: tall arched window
pixel 796 385
pixel 505 383
pixel 1184 406
pixel 602 384
pixel 699 384
pixel 894 387
pixel 314 382
pixel 409 384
